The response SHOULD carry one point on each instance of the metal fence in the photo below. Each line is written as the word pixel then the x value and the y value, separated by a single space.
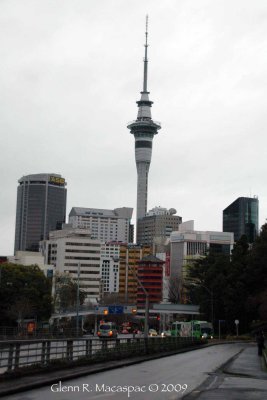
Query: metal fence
pixel 15 354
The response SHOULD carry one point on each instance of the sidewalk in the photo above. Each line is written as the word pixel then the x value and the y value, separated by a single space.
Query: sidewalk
pixel 244 377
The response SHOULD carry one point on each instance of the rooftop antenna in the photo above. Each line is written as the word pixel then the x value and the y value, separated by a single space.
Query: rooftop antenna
pixel 145 59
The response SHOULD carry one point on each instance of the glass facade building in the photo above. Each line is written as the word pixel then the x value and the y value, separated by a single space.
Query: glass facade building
pixel 41 208
pixel 242 218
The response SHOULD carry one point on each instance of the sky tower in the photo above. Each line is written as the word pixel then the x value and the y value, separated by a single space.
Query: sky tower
pixel 143 129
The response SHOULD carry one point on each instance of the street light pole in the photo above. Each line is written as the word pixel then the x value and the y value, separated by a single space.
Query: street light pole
pixel 78 299
pixel 210 291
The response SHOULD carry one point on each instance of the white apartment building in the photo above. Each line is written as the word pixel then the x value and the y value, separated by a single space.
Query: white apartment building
pixel 110 267
pixel 187 244
pixel 71 249
pixel 105 225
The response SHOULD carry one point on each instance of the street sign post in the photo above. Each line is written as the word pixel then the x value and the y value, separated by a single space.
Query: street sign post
pixel 220 321
pixel 236 324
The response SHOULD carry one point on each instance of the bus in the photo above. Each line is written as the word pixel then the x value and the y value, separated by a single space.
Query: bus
pixel 181 329
pixel 202 330
pixel 196 329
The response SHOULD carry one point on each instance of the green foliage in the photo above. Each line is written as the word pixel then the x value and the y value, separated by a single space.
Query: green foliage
pixel 25 293
pixel 235 285
pixel 66 292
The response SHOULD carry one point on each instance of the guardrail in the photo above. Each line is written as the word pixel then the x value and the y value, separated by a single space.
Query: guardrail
pixel 12 333
pixel 16 354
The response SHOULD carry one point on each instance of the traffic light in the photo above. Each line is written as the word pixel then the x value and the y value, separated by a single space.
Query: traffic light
pixel 158 317
pixel 105 312
pixel 134 310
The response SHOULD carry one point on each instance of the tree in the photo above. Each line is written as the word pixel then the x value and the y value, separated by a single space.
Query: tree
pixel 256 274
pixel 25 293
pixel 237 283
pixel 206 284
pixel 66 292
pixel 175 289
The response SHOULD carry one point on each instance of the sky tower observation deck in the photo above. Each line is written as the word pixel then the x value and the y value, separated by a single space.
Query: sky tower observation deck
pixel 143 129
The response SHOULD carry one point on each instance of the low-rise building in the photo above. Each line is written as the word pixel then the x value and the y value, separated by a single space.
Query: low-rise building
pixel 33 258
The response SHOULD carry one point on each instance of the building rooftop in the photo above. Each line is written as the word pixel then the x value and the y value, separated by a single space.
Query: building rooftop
pixel 123 212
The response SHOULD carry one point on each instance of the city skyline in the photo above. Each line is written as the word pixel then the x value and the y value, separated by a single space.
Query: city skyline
pixel 70 75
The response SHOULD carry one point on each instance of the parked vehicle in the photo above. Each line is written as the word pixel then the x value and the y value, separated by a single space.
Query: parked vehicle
pixel 107 330
pixel 152 332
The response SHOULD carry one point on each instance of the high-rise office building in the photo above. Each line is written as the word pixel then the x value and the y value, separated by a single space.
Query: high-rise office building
pixel 105 225
pixel 143 129
pixel 157 225
pixel 242 218
pixel 41 208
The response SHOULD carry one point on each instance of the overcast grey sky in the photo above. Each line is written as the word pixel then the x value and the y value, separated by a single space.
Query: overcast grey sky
pixel 71 71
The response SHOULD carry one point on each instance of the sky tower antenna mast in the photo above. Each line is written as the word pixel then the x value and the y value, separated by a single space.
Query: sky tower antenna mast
pixel 143 129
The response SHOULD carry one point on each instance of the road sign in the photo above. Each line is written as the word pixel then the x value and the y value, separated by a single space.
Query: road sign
pixel 115 309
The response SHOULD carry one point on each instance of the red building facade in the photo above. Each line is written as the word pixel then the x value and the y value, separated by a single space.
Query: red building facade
pixel 150 274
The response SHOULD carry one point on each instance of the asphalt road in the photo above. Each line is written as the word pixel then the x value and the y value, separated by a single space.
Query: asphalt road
pixel 192 375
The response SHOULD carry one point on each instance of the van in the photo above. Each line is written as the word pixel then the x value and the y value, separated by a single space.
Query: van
pixel 107 330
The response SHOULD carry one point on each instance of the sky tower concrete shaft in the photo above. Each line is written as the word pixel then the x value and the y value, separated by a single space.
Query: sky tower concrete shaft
pixel 143 129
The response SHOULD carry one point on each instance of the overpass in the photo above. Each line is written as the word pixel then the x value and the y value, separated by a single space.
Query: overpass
pixel 119 309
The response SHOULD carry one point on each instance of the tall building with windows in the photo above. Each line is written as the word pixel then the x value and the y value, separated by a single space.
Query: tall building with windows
pixel 150 275
pixel 144 129
pixel 73 251
pixel 188 245
pixel 41 208
pixel 130 255
pixel 242 218
pixel 105 225
pixel 110 267
pixel 157 226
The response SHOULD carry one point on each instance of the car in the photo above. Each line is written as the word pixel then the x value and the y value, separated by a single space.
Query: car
pixel 107 330
pixel 152 332
pixel 165 334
